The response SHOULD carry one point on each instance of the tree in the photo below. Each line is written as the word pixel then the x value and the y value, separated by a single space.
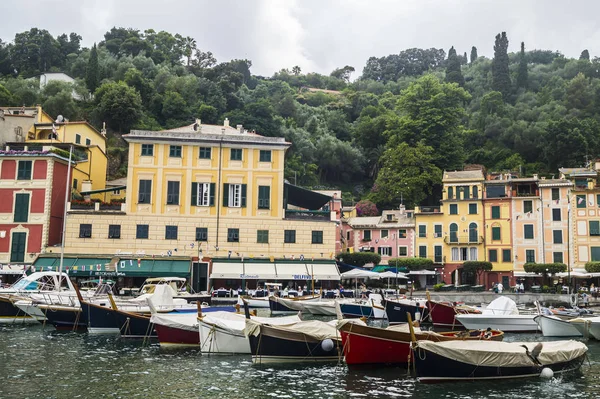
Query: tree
pixel 473 54
pixel 358 258
pixel 91 75
pixel 411 263
pixel 464 60
pixel 585 55
pixel 366 208
pixel 119 105
pixel 189 47
pixel 453 71
pixel 477 267
pixel 522 76
pixel 407 172
pixel 6 99
pixel 296 70
pixel 343 73
pixel 500 72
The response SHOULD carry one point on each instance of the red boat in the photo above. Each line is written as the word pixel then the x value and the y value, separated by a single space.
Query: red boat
pixel 365 345
pixel 177 330
pixel 442 314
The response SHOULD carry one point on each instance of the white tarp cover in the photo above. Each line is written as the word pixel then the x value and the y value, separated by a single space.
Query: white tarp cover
pixel 183 321
pixel 223 270
pixel 504 354
pixel 501 306
pixel 236 322
pixel 314 328
pixel 292 271
pixel 324 271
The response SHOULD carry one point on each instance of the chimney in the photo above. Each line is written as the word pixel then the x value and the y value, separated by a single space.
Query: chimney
pixel 535 176
pixel 240 128
pixel 226 122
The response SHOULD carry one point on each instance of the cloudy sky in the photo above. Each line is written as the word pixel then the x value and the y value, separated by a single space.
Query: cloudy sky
pixel 320 35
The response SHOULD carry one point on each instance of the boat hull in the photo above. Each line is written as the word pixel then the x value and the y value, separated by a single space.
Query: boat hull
pixel 273 345
pixel 396 312
pixel 507 323
pixel 216 340
pixel 100 319
pixel 587 328
pixel 444 315
pixel 433 368
pixel 176 337
pixel 10 314
pixel 320 308
pixel 64 318
pixel 552 327
pixel 356 310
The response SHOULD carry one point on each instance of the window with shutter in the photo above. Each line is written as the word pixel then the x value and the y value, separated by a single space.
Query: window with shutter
pixel 495 212
pixel 201 234
pixel 495 233
pixel 170 232
pixel 289 236
pixel 262 236
pixel 172 193
pixel 145 191
pixel 21 214
pixel 17 250
pixel 506 255
pixel 264 197
pixel 594 228
pixel 317 237
pixel 233 235
pixel 114 231
pixel 24 170
pixel 141 231
pixel 493 255
pixel 528 231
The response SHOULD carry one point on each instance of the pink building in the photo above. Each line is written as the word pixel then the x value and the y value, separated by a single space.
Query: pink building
pixel 391 235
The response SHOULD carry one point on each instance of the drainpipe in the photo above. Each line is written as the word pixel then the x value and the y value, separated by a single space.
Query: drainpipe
pixel 219 190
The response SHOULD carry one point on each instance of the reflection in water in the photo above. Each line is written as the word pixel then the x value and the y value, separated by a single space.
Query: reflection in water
pixel 40 363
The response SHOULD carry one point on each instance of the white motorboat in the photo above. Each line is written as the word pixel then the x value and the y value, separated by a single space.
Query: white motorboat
pixel 223 332
pixel 554 326
pixel 50 284
pixel 501 314
pixel 589 327
pixel 326 308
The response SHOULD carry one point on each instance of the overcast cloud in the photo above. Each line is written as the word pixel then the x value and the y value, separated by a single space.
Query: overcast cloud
pixel 320 35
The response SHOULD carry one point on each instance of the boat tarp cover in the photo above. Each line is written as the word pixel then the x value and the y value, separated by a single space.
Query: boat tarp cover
pixel 502 306
pixel 503 354
pixel 314 328
pixel 183 321
pixel 235 322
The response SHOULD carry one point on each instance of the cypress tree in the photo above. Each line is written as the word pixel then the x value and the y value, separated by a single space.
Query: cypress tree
pixel 473 54
pixel 91 76
pixel 464 60
pixel 453 72
pixel 585 55
pixel 500 73
pixel 522 76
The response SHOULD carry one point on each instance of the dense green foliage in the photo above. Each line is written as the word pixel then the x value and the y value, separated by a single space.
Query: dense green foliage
pixel 358 258
pixel 411 263
pixel 477 267
pixel 592 267
pixel 387 135
pixel 545 268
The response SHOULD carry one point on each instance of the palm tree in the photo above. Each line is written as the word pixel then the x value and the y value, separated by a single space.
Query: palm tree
pixel 189 45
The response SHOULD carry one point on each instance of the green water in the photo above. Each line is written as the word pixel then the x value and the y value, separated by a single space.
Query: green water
pixel 42 363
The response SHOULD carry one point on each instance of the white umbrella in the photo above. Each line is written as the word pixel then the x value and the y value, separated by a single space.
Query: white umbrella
pixel 389 274
pixel 357 273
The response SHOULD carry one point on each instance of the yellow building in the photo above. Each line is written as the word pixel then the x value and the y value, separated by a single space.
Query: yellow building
pixel 498 229
pixel 34 127
pixel 584 198
pixel 206 191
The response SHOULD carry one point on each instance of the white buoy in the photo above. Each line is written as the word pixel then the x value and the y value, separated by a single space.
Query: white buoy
pixel 327 345
pixel 547 373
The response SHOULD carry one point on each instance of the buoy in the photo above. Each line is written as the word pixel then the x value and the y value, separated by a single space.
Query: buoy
pixel 327 345
pixel 547 373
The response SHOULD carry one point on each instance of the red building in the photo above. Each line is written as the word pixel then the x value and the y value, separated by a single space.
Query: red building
pixel 32 201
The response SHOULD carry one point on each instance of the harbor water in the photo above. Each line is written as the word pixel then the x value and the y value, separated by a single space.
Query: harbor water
pixel 38 362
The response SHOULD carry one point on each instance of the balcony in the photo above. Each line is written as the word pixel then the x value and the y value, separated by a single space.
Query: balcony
pixel 464 239
pixel 321 216
pixel 96 206
pixel 427 209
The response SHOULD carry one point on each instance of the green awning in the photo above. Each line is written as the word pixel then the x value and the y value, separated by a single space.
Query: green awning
pixel 75 266
pixel 154 267
pixel 304 198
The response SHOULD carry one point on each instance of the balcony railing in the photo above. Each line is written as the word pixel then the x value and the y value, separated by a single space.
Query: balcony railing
pixel 307 215
pixel 428 209
pixel 464 239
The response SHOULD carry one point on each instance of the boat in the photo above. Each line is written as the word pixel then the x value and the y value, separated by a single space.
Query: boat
pixel 260 297
pixel 443 314
pixel 178 284
pixel 368 308
pixel 223 333
pixel 44 283
pixel 323 308
pixel 589 327
pixel 367 345
pixel 480 360
pixel 396 310
pixel 501 314
pixel 305 341
pixel 554 326
pixel 279 305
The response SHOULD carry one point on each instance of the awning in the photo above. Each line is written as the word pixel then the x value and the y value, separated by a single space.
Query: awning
pixel 154 267
pixel 12 269
pixel 259 271
pixel 75 266
pixel 525 274
pixel 304 198
pixel 421 273
pixel 292 271
pixel 324 271
pixel 101 266
pixel 227 270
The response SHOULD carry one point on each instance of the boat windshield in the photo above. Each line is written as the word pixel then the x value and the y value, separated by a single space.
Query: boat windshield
pixel 25 284
pixel 43 283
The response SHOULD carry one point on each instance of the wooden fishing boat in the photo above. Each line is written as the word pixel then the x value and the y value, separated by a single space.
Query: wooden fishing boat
pixel 305 341
pixel 366 345
pixel 479 360
pixel 396 310
pixel 279 305
pixel 443 314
